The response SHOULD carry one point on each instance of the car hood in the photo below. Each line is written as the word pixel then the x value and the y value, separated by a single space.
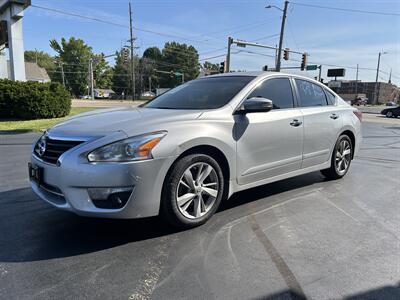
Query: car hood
pixel 130 120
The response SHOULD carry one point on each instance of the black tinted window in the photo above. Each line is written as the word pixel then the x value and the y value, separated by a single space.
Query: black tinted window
pixel 278 90
pixel 330 97
pixel 205 93
pixel 310 94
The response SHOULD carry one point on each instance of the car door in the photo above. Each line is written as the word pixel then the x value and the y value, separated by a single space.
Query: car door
pixel 270 143
pixel 322 122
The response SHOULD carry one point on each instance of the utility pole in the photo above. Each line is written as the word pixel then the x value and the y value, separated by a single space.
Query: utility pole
pixel 319 74
pixel 228 56
pixel 357 82
pixel 390 76
pixel 376 95
pixel 132 62
pixel 91 85
pixel 150 83
pixel 278 63
pixel 62 73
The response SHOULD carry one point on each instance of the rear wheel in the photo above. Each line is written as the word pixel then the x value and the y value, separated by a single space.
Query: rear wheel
pixel 192 191
pixel 341 158
pixel 389 114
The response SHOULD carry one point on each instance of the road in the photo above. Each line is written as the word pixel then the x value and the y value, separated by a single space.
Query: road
pixel 299 238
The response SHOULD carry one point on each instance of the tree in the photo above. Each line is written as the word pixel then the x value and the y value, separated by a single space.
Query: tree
pixel 44 60
pixel 122 78
pixel 102 72
pixel 74 55
pixel 210 66
pixel 151 58
pixel 179 58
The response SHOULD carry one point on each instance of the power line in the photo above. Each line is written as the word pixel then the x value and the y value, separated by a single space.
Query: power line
pixel 78 15
pixel 347 9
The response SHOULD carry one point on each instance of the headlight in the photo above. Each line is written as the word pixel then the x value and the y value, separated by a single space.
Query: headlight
pixel 130 149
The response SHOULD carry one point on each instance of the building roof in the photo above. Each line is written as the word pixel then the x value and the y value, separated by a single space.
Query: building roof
pixel 109 91
pixel 33 72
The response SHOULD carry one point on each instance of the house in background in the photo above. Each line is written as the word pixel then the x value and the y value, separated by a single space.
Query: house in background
pixel 103 93
pixel 35 73
pixel 32 70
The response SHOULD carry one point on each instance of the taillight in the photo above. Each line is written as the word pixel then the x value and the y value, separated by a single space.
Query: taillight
pixel 358 114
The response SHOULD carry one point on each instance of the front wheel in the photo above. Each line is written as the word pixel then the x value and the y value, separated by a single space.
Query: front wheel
pixel 389 114
pixel 341 158
pixel 192 191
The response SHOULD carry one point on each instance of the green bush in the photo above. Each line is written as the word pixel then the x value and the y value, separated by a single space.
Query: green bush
pixel 33 100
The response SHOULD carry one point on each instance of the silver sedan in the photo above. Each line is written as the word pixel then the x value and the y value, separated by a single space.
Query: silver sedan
pixel 187 150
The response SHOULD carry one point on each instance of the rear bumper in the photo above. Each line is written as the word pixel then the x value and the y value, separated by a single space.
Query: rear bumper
pixel 66 186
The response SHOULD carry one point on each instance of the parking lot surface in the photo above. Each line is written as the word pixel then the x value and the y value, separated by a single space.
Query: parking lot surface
pixel 299 238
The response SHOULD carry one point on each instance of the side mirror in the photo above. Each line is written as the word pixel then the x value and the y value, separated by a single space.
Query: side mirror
pixel 255 104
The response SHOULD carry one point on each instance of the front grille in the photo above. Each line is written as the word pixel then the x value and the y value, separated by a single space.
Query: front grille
pixel 54 149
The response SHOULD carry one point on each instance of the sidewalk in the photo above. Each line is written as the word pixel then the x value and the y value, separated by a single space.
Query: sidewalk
pixel 371 109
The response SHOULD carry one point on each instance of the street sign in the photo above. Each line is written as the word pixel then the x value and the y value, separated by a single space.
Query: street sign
pixel 336 72
pixel 334 84
pixel 311 67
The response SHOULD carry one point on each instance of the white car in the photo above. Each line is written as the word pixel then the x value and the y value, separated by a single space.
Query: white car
pixel 192 147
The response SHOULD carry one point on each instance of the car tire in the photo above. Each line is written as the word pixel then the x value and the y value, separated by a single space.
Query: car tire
pixel 341 158
pixel 185 205
pixel 389 114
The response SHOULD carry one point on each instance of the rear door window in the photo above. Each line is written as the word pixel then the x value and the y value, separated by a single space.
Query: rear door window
pixel 330 97
pixel 310 94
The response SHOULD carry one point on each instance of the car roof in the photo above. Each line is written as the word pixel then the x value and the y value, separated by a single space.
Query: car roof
pixel 260 74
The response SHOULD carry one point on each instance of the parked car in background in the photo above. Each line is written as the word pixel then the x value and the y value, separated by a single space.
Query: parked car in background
pixel 360 101
pixel 391 103
pixel 147 95
pixel 392 112
pixel 192 147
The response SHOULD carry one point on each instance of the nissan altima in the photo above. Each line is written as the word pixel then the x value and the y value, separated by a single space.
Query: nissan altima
pixel 187 150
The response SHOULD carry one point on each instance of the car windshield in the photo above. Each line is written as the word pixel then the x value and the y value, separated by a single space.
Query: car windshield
pixel 204 93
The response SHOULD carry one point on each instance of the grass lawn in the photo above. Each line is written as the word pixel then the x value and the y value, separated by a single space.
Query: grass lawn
pixel 38 125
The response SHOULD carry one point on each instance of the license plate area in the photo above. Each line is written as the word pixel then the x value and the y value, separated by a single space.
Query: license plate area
pixel 36 173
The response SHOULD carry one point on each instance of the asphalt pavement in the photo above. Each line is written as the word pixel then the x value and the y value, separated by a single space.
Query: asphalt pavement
pixel 299 238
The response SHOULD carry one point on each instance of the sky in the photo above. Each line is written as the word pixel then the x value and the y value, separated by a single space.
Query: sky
pixel 331 37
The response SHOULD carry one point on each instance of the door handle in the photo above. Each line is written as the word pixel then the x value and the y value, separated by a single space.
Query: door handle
pixel 296 123
pixel 334 116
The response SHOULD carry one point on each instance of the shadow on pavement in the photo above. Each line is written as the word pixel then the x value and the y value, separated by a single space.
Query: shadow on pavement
pixel 16 131
pixel 386 292
pixel 32 230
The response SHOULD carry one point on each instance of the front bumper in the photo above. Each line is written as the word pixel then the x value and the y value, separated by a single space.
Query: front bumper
pixel 66 186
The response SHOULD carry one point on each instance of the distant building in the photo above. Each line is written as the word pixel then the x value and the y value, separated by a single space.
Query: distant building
pixel 32 72
pixel 348 90
pixel 35 73
pixel 103 93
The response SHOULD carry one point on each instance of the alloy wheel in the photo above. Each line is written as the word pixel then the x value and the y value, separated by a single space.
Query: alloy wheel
pixel 389 114
pixel 197 190
pixel 343 157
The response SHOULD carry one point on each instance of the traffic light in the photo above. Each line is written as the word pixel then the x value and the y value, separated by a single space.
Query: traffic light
pixel 125 54
pixel 222 67
pixel 286 54
pixel 303 61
